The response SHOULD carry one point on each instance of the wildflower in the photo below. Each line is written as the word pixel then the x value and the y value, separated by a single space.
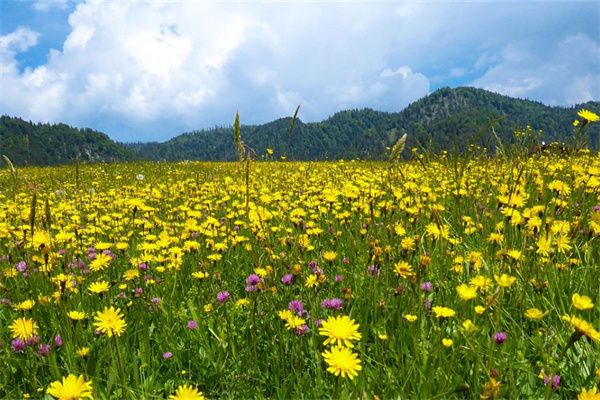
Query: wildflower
pixel 187 392
pixel 311 281
pixel 491 389
pixel 534 313
pixel 241 303
pixel 99 287
pixel 340 331
pixel 71 387
pixel 373 270
pixel 192 325
pixel 591 394
pixel 404 269
pixel 582 302
pixel 208 308
pixel 25 305
pixel 504 280
pixel 410 317
pixel 339 278
pixel 167 354
pixel 252 280
pixel 588 116
pixel 443 312
pixel 426 287
pixel 23 328
pixel 296 306
pixel 499 337
pixel 76 315
pixel 223 296
pixel 287 279
pixel 294 322
pixel 468 326
pixel 466 292
pixel 110 321
pixel 44 349
pixel 17 346
pixel 332 304
pixel 479 310
pixel 554 382
pixel 58 342
pixel 447 342
pixel 329 256
pixel 342 361
pixel 100 262
pixel 83 352
pixel 583 328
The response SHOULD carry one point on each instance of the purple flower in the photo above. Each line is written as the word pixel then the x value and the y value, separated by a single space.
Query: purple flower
pixel 302 330
pixel 251 288
pixel 138 291
pixel 339 278
pixel 44 349
pixel 373 270
pixel 32 340
pixel 427 304
pixel 332 304
pixel 156 301
pixel 287 279
pixel 167 355
pixel 252 280
pixel 62 252
pixel 193 325
pixel 18 346
pixel 22 266
pixel 58 341
pixel 555 381
pixel 143 267
pixel 312 265
pixel 596 208
pixel 345 261
pixel 426 286
pixel 296 305
pixel 223 296
pixel 499 337
pixel 318 323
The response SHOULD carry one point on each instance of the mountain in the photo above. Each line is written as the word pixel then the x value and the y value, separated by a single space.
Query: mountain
pixel 26 143
pixel 446 119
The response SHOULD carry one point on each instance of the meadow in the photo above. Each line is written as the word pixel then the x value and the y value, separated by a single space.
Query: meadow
pixel 437 277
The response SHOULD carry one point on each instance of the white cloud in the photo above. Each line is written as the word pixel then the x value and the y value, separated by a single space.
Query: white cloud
pixel 46 5
pixel 150 70
pixel 569 73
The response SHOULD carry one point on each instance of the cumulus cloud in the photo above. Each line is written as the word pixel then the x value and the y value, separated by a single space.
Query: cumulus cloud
pixel 568 74
pixel 150 70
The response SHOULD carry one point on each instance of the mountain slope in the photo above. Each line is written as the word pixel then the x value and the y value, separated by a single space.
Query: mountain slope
pixel 26 143
pixel 448 118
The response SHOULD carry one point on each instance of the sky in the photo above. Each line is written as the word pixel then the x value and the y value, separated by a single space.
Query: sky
pixel 150 70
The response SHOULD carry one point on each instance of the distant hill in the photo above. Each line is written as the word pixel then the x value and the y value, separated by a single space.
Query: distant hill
pixel 446 119
pixel 26 143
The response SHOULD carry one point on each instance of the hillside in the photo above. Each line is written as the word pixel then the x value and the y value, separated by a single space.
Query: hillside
pixel 26 143
pixel 448 118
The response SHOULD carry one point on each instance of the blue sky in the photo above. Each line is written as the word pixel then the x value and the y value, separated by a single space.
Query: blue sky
pixel 150 70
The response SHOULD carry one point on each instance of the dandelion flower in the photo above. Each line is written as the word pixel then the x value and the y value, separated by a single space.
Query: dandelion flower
pixel 71 387
pixel 76 315
pixel 100 262
pixel 99 287
pixel 588 115
pixel 505 280
pixel 583 327
pixel 340 331
pixel 342 361
pixel 187 392
pixel 466 292
pixel 110 321
pixel 591 394
pixel 23 328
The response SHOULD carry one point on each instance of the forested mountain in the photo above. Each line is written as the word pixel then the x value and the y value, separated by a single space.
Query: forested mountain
pixel 446 119
pixel 26 143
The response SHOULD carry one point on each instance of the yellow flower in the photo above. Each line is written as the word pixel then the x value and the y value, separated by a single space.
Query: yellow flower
pixel 294 322
pixel 25 305
pixel 200 275
pixel 588 115
pixel 479 309
pixel 329 256
pixel 110 321
pixel 99 287
pixel 100 262
pixel 505 280
pixel 340 331
pixel 342 361
pixel 534 313
pixel 447 342
pixel 241 303
pixel 23 328
pixel 404 269
pixel 466 292
pixel 71 387
pixel 591 394
pixel 311 281
pixel 582 302
pixel 76 315
pixel 443 312
pixel 583 327
pixel 83 352
pixel 468 326
pixel 410 317
pixel 187 392
pixel 208 308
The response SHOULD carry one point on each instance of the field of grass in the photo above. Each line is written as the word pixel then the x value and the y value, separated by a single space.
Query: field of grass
pixel 440 277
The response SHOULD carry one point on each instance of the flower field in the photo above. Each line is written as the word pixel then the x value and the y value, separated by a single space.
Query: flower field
pixel 433 278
